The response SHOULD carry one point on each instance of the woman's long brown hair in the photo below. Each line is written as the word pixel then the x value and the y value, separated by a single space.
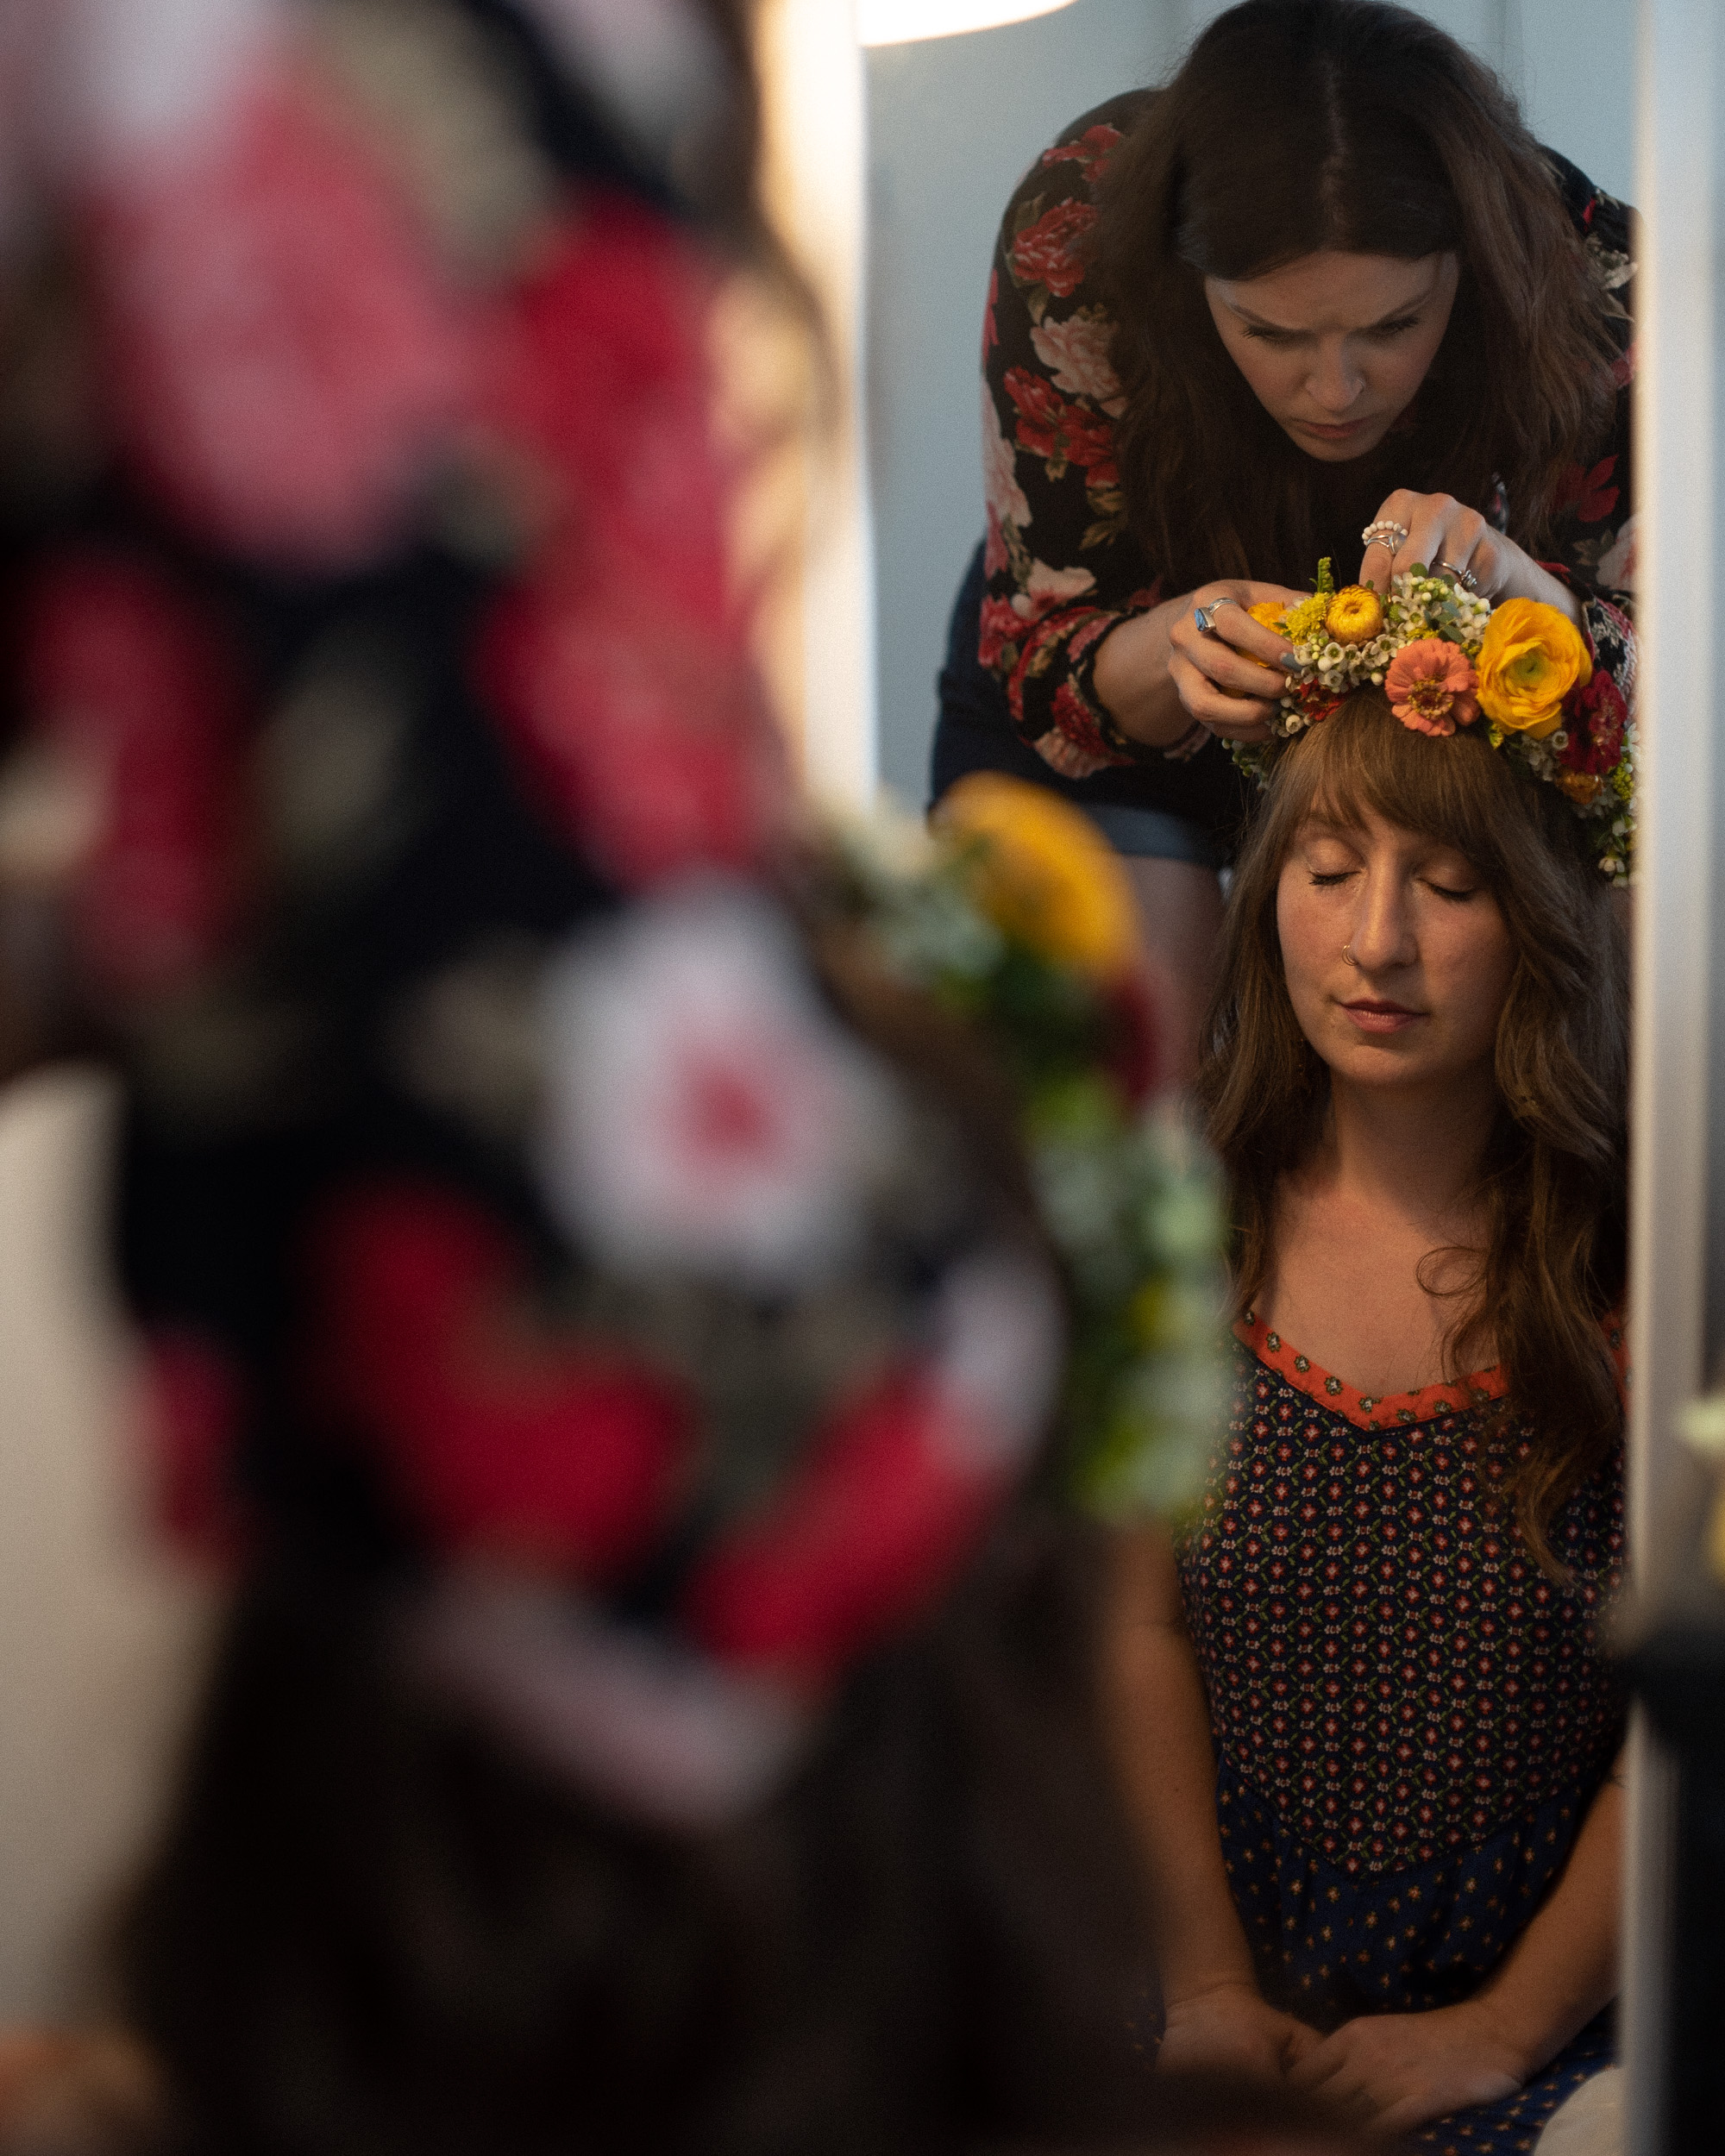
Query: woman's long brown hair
pixel 1553 1178
pixel 1299 126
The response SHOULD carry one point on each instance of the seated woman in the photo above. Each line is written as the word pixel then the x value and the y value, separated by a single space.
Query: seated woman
pixel 1322 293
pixel 1361 1702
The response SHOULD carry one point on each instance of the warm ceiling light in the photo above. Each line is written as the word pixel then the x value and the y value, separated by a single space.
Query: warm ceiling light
pixel 898 21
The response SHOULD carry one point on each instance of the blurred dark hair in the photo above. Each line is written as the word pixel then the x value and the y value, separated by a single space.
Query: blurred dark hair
pixel 372 1928
pixel 1554 1180
pixel 1301 126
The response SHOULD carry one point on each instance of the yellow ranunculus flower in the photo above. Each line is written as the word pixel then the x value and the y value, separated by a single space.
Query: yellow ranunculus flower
pixel 1355 615
pixel 1274 618
pixel 1045 874
pixel 1531 658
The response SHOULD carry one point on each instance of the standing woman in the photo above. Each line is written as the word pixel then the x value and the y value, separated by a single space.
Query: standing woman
pixel 1323 294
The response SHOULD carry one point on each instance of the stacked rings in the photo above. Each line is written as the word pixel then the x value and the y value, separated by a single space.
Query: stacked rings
pixel 1390 536
pixel 1459 571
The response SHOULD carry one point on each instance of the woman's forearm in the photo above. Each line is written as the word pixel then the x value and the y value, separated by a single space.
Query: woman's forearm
pixel 1132 678
pixel 1159 1730
pixel 1563 1970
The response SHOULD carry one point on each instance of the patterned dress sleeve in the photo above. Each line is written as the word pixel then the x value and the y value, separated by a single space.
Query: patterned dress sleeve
pixel 1063 569
pixel 1593 545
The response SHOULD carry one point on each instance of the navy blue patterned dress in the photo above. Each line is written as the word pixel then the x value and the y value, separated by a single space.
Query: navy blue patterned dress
pixel 1410 1717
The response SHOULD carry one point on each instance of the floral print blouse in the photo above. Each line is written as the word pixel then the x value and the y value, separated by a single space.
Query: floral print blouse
pixel 1062 567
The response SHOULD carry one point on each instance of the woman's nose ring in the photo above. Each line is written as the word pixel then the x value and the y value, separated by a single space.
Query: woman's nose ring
pixel 1348 958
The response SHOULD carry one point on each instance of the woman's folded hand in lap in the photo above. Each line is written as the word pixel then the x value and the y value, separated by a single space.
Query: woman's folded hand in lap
pixel 1396 2071
pixel 1232 2026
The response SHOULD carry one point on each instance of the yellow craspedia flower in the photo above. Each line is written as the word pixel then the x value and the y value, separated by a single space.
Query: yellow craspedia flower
pixel 1530 659
pixel 1307 617
pixel 1044 873
pixel 1355 615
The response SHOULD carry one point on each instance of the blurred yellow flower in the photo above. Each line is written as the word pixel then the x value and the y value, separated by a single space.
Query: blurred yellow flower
pixel 1581 787
pixel 1531 658
pixel 1044 873
pixel 1355 615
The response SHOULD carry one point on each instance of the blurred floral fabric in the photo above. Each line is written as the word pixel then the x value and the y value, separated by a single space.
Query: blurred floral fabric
pixel 555 1176
pixel 513 1201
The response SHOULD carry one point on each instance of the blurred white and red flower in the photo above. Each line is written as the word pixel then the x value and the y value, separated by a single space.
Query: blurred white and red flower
pixel 703 1110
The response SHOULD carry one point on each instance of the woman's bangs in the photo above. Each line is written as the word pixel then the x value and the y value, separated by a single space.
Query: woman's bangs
pixel 1362 761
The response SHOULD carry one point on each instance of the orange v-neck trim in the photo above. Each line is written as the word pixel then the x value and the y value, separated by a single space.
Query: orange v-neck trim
pixel 1387 1411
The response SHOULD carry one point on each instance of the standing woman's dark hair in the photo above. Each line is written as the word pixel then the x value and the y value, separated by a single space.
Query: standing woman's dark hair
pixel 1303 127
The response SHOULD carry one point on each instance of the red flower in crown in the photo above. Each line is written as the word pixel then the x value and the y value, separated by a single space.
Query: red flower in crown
pixel 284 358
pixel 128 677
pixel 1594 718
pixel 1047 252
pixel 492 1436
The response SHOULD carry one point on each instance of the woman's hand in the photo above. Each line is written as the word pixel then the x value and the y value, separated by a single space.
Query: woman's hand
pixel 1161 676
pixel 1229 678
pixel 1396 2072
pixel 1230 2026
pixel 1443 534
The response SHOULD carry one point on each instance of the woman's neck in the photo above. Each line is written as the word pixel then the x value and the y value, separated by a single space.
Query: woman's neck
pixel 1414 1153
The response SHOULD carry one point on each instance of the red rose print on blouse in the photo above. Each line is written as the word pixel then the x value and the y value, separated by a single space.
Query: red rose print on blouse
pixel 126 677
pixel 1590 494
pixel 494 1435
pixel 1080 726
pixel 283 358
pixel 1091 152
pixel 1065 434
pixel 1002 625
pixel 1046 252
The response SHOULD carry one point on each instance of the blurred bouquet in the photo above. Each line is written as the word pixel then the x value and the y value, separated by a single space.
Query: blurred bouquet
pixel 1016 916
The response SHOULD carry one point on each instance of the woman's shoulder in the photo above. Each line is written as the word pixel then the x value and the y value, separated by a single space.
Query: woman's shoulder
pixel 1068 169
pixel 1602 224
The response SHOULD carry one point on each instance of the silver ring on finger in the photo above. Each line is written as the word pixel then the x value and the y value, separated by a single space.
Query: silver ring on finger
pixel 1206 616
pixel 1385 534
pixel 1459 571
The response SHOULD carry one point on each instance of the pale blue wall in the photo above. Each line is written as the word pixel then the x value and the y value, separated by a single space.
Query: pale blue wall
pixel 952 123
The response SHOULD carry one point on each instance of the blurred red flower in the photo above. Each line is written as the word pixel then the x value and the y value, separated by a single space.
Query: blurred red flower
pixel 126 674
pixel 645 730
pixel 284 360
pixel 494 1437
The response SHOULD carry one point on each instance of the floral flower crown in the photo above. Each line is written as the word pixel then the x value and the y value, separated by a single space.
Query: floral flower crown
pixel 1447 658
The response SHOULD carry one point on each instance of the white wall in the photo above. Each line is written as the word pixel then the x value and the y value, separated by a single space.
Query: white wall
pixel 953 122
